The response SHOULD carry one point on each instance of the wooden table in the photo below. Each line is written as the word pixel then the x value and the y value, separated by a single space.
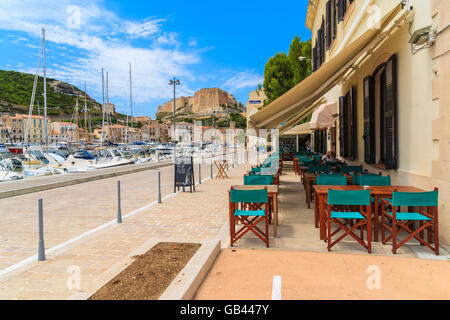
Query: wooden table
pixel 321 195
pixel 221 165
pixel 272 191
pixel 310 178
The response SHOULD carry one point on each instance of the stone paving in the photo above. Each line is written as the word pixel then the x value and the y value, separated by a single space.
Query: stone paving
pixel 296 229
pixel 71 211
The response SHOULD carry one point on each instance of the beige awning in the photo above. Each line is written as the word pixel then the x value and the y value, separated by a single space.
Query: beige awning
pixel 325 116
pixel 321 81
pixel 301 129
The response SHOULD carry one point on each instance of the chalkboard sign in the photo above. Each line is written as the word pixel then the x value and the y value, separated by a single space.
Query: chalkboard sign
pixel 184 173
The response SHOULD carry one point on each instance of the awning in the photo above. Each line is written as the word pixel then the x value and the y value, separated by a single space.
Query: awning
pixel 325 116
pixel 300 116
pixel 321 81
pixel 299 130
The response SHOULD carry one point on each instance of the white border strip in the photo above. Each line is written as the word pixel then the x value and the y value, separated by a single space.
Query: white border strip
pixel 276 288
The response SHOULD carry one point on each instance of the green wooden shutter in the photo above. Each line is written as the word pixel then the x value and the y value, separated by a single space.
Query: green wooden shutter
pixel 342 125
pixel 369 121
pixel 390 114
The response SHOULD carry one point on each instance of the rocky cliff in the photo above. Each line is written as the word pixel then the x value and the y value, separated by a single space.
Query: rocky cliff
pixel 204 101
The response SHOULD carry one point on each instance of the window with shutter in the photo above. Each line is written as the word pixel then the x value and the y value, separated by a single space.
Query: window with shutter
pixel 333 19
pixel 390 114
pixel 340 10
pixel 369 121
pixel 319 48
pixel 351 124
pixel 323 42
pixel 328 24
pixel 314 59
pixel 342 125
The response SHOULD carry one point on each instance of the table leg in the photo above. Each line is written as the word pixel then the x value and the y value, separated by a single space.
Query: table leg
pixel 375 215
pixel 308 193
pixel 275 215
pixel 323 227
pixel 316 211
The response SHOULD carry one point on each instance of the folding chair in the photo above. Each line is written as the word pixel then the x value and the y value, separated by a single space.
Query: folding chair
pixel 342 219
pixel 375 180
pixel 352 169
pixel 427 215
pixel 256 170
pixel 319 169
pixel 246 207
pixel 328 180
pixel 258 180
pixel 331 180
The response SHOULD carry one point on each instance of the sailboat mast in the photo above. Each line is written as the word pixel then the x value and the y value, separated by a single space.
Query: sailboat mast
pixel 103 108
pixel 76 119
pixel 85 114
pixel 33 96
pixel 131 108
pixel 45 90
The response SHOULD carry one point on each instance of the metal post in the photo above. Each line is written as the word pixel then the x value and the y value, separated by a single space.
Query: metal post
pixel 199 173
pixel 41 247
pixel 119 209
pixel 159 187
pixel 211 170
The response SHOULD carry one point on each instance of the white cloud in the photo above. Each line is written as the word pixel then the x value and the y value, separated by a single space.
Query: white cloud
pixel 246 79
pixel 145 29
pixel 102 41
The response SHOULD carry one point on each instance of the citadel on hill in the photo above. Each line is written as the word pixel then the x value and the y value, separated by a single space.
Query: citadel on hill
pixel 204 102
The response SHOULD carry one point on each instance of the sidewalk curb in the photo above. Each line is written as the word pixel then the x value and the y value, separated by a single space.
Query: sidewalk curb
pixel 66 183
pixel 186 284
pixel 113 271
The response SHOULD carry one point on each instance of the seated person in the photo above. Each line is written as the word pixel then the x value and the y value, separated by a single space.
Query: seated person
pixel 330 157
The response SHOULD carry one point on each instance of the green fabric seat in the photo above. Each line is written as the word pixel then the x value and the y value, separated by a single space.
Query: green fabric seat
pixel 410 216
pixel 346 215
pixel 259 180
pixel 315 169
pixel 329 180
pixel 351 169
pixel 375 180
pixel 256 170
pixel 249 196
pixel 415 199
pixel 257 213
pixel 349 197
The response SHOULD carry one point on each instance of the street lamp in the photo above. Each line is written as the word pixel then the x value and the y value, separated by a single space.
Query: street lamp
pixel 174 82
pixel 303 58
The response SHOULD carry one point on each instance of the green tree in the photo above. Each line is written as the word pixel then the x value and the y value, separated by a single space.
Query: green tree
pixel 301 69
pixel 278 76
pixel 283 72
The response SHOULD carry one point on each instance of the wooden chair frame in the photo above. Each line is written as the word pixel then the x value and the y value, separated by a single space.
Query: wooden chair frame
pixel 249 222
pixel 396 226
pixel 362 224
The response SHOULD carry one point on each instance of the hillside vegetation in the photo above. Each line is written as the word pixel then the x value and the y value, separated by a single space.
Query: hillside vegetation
pixel 16 89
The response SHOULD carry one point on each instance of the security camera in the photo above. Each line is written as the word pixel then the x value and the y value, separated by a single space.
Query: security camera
pixel 405 3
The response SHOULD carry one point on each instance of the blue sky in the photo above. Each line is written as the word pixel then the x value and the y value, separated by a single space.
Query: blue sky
pixel 203 43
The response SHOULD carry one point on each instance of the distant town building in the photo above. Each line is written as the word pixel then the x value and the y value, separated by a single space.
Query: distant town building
pixel 63 131
pixel 256 101
pixel 109 108
pixel 184 131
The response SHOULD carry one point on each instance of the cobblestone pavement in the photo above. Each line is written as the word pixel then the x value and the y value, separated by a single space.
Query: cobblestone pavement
pixel 71 211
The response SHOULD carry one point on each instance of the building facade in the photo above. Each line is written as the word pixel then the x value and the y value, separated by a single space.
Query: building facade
pixel 385 64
